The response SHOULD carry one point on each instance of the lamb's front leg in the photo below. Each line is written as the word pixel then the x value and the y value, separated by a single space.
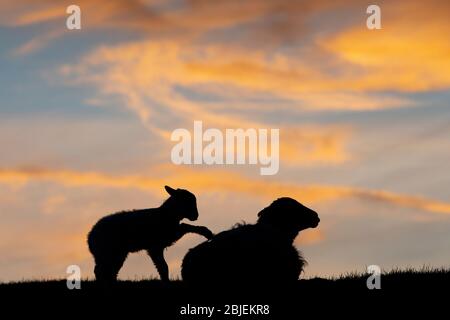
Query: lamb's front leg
pixel 157 256
pixel 201 230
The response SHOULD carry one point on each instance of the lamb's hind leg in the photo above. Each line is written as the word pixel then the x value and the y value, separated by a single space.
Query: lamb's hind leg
pixel 157 256
pixel 107 267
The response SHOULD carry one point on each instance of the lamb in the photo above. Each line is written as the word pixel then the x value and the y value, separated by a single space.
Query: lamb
pixel 153 230
pixel 252 253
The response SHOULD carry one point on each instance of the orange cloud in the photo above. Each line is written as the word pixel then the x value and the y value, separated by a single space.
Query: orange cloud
pixel 38 42
pixel 342 69
pixel 148 74
pixel 204 181
pixel 112 13
pixel 160 14
pixel 38 15
pixel 409 54
pixel 130 70
pixel 310 145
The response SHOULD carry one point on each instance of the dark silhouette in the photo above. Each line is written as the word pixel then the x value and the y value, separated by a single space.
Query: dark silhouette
pixel 257 253
pixel 114 236
pixel 405 290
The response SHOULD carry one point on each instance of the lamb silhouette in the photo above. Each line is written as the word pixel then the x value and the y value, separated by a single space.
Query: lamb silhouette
pixel 253 253
pixel 116 235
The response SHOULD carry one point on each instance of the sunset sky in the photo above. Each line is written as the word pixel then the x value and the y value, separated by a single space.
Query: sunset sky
pixel 364 118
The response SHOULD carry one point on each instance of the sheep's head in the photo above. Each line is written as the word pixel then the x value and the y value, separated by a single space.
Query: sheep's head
pixel 182 202
pixel 290 215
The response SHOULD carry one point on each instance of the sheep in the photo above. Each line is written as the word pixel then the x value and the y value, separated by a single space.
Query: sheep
pixel 114 236
pixel 249 253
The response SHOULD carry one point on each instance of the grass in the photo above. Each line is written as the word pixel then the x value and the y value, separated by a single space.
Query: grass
pixel 394 279
pixel 404 289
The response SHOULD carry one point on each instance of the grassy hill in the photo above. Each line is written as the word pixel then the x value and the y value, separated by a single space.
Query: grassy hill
pixel 400 288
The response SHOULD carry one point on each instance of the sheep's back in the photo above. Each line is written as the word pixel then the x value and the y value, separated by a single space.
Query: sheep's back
pixel 246 253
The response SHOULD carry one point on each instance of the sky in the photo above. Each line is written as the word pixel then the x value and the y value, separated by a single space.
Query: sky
pixel 86 117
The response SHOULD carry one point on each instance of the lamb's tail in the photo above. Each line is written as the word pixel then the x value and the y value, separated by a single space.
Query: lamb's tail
pixel 93 238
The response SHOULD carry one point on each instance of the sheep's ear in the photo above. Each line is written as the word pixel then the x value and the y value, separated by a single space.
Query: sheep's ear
pixel 170 190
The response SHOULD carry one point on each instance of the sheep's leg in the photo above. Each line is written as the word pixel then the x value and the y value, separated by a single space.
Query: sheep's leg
pixel 201 230
pixel 107 267
pixel 157 256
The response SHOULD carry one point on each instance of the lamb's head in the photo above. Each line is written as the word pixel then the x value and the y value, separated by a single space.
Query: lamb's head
pixel 182 203
pixel 289 215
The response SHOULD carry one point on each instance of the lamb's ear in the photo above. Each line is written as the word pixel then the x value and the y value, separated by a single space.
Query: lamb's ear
pixel 170 190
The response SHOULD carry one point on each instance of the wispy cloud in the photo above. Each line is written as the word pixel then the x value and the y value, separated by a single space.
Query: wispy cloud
pixel 38 42
pixel 147 76
pixel 341 69
pixel 410 53
pixel 221 181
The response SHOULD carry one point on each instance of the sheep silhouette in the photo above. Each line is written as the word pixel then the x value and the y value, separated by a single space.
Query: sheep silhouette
pixel 253 253
pixel 114 236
